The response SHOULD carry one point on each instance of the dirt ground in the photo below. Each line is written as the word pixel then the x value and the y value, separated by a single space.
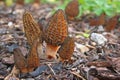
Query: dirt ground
pixel 90 61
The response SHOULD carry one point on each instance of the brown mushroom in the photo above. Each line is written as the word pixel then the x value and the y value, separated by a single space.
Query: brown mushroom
pixel 111 23
pixel 32 32
pixel 56 32
pixel 31 28
pixel 66 50
pixel 98 21
pixel 28 64
pixel 72 9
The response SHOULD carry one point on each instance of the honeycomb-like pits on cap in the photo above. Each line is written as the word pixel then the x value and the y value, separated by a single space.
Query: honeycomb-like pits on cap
pixel 72 9
pixel 67 48
pixel 57 29
pixel 31 28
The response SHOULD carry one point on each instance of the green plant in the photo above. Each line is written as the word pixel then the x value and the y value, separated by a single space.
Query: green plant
pixel 8 2
pixel 28 1
pixel 110 7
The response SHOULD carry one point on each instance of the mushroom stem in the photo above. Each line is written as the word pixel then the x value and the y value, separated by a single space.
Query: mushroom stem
pixel 51 51
pixel 40 51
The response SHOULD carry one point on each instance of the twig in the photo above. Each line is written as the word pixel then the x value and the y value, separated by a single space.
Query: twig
pixel 78 75
pixel 51 69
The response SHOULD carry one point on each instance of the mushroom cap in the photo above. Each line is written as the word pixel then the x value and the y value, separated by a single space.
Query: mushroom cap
pixel 111 23
pixel 67 48
pixel 72 9
pixel 98 21
pixel 28 64
pixel 57 29
pixel 31 28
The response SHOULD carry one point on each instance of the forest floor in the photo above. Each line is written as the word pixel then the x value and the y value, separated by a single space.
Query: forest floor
pixel 90 61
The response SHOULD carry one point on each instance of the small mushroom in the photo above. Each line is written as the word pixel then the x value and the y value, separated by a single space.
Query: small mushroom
pixel 66 50
pixel 72 9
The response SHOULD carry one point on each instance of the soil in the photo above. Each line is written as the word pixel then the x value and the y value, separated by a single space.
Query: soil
pixel 91 62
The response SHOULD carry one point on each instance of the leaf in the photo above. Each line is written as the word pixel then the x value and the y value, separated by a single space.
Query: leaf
pixel 81 1
pixel 28 1
pixel 98 11
pixel 86 35
pixel 8 2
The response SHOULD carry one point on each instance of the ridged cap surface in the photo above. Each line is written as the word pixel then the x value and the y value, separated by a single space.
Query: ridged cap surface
pixel 67 48
pixel 31 28
pixel 72 9
pixel 57 29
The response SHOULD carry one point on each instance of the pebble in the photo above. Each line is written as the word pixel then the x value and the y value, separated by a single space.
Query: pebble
pixel 100 28
pixel 82 48
pixel 10 24
pixel 98 38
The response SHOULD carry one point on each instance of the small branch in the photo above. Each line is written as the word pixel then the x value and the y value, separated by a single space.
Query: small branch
pixel 51 69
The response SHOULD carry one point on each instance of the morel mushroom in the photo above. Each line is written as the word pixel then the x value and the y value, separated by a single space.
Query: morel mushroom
pixel 56 32
pixel 111 23
pixel 28 64
pixel 32 32
pixel 66 50
pixel 72 9
pixel 98 21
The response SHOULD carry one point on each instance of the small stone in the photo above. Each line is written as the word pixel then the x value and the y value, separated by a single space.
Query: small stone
pixel 93 43
pixel 14 12
pixel 98 38
pixel 10 24
pixel 82 48
pixel 100 28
